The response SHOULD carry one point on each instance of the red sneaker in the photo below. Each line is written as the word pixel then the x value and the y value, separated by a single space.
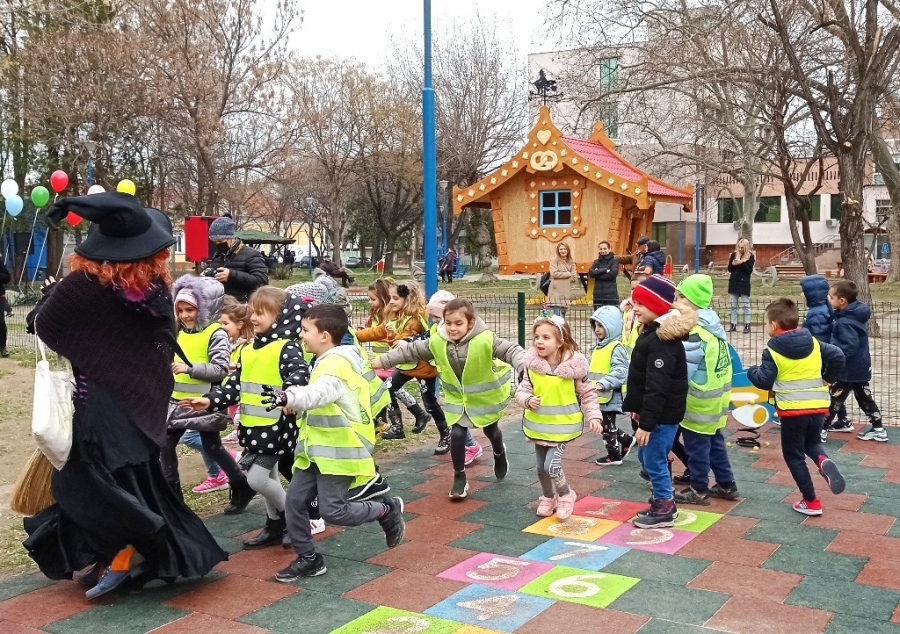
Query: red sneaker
pixel 808 507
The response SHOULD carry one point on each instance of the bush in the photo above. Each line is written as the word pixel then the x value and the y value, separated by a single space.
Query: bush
pixel 280 272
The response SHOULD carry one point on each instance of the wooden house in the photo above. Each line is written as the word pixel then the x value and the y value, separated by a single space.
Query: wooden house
pixel 559 188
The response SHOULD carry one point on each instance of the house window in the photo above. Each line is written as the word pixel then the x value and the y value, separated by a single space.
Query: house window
pixel 556 208
pixel 178 247
pixel 730 209
pixel 836 204
pixel 609 73
pixel 878 177
pixel 813 207
pixel 769 209
pixel 658 232
pixel 609 115
pixel 882 210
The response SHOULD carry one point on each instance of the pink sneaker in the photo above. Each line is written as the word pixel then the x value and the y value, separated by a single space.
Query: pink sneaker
pixel 209 485
pixel 565 505
pixel 546 506
pixel 473 453
pixel 232 437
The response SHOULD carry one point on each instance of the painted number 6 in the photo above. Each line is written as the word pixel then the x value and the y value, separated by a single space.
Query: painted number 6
pixel 561 587
pixel 497 569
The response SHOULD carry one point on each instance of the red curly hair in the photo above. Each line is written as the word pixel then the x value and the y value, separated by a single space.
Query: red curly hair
pixel 131 277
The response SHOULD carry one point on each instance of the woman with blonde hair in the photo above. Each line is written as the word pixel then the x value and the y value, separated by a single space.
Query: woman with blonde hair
pixel 740 266
pixel 562 271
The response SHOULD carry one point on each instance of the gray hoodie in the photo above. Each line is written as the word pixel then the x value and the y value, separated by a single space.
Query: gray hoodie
pixel 210 296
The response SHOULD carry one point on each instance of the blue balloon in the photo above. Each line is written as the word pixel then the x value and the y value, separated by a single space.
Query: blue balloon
pixel 14 205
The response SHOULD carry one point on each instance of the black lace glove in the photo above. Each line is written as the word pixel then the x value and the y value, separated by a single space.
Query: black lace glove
pixel 273 398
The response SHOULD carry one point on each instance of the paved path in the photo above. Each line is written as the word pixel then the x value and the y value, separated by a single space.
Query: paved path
pixel 487 564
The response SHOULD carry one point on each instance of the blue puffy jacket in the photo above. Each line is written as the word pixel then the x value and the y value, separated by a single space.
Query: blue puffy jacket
pixel 849 333
pixel 819 317
pixel 654 259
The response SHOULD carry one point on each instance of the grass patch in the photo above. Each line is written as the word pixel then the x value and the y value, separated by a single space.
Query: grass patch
pixel 13 557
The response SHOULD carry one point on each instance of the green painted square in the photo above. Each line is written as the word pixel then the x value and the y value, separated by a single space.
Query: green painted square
pixel 845 597
pixel 20 584
pixel 766 510
pixel 695 521
pixel 595 589
pixel 500 541
pixel 233 525
pixel 502 515
pixel 386 619
pixel 662 626
pixel 806 561
pixel 657 566
pixel 843 623
pixel 670 602
pixel 308 612
pixel 343 575
pixel 881 506
pixel 811 537
pixel 353 544
pixel 126 616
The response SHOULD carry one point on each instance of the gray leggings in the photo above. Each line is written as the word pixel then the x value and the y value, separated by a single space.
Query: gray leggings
pixel 267 484
pixel 549 468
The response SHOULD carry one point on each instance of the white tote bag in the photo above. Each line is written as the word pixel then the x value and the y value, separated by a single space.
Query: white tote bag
pixel 51 417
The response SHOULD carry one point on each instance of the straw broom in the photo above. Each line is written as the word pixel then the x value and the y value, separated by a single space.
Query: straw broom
pixel 31 493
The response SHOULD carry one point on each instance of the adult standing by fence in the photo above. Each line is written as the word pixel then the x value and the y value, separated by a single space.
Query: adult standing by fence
pixel 448 266
pixel 605 270
pixel 740 266
pixel 5 278
pixel 240 268
pixel 562 271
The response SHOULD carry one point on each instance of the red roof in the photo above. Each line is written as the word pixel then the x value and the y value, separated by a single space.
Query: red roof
pixel 659 188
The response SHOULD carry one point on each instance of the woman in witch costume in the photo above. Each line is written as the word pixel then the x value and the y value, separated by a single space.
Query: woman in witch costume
pixel 115 518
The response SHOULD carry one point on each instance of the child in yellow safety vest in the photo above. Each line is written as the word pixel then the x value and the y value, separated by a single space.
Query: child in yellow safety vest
pixel 558 397
pixel 476 388
pixel 609 371
pixel 335 445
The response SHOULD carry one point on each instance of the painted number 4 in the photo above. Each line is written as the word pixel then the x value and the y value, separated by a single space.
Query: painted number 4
pixel 582 549
pixel 497 569
pixel 576 587
pixel 491 607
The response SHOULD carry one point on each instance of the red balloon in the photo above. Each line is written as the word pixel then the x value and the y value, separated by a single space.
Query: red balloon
pixel 59 180
pixel 72 218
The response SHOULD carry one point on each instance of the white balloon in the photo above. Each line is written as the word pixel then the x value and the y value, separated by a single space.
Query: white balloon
pixel 9 188
pixel 96 189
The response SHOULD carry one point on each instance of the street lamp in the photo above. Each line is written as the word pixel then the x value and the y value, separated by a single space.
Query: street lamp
pixel 444 211
pixel 91 147
pixel 310 201
pixel 429 164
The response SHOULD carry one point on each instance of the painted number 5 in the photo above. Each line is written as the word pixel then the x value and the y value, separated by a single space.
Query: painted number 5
pixel 497 569
pixel 401 625
pixel 576 586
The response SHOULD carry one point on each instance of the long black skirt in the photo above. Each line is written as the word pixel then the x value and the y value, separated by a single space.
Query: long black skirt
pixel 112 494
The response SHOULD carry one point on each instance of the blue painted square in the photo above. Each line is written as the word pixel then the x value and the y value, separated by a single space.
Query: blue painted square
pixel 575 554
pixel 490 608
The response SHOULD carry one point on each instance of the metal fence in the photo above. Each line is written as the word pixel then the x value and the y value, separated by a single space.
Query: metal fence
pixel 511 317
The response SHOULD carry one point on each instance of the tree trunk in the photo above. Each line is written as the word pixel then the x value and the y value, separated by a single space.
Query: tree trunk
pixel 888 169
pixel 803 244
pixel 484 237
pixel 751 205
pixel 389 243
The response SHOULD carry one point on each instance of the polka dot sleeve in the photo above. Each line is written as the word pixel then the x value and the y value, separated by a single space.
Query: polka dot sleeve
pixel 294 369
pixel 225 395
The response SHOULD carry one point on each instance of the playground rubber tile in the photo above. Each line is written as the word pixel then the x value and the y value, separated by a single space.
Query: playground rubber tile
pixel 8 627
pixel 480 467
pixel 580 468
pixel 490 608
pixel 502 515
pixel 896 617
pixel 218 598
pixel 672 602
pixel 895 530
pixel 732 526
pixel 607 509
pixel 730 550
pixel 353 544
pixel 385 619
pixel 437 530
pixel 308 612
pixel 845 597
pixel 803 561
pixel 747 582
pixel 624 491
pixel 505 493
pixel 881 573
pixel 440 487
pixel 46 605
pixel 652 566
pixel 438 505
pixel 234 525
pixel 406 480
pixel 662 626
pixel 763 491
pixel 893 476
pixel 505 573
pixel 423 557
pixel 517 476
pixel 258 564
pixel 581 618
pixel 890 462
pixel 328 532
pixel 868 523
pixel 578 453
pixel 193 623
pixel 406 590
pixel 805 535
pixel 502 541
pixel 842 623
pixel 871 546
pixel 343 575
pixel 845 501
pixel 769 510
pixel 880 505
pixel 126 616
pixel 575 527
pixel 746 615
pixel 20 584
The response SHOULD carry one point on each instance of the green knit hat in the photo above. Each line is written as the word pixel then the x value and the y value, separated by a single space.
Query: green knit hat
pixel 697 289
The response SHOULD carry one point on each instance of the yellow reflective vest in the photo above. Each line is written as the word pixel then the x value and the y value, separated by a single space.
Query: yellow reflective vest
pixel 379 397
pixel 601 364
pixel 259 367
pixel 707 405
pixel 196 347
pixel 558 418
pixel 799 385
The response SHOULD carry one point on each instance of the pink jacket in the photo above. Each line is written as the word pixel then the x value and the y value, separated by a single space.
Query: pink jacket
pixel 575 368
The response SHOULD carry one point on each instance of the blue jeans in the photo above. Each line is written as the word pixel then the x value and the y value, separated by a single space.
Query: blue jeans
pixel 745 305
pixel 655 459
pixel 191 438
pixel 705 452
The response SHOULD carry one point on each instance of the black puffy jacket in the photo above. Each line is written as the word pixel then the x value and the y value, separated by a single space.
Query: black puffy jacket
pixel 739 281
pixel 248 270
pixel 605 270
pixel 5 278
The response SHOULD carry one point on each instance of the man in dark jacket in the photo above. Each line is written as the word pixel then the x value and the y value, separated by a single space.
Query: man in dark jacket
pixel 240 268
pixel 605 270
pixel 5 278
pixel 653 261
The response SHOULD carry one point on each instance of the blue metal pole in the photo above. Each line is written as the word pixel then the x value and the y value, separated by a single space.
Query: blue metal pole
pixel 90 170
pixel 698 204
pixel 429 165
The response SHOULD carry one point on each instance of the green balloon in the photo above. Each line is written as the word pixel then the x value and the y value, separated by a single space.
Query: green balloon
pixel 40 196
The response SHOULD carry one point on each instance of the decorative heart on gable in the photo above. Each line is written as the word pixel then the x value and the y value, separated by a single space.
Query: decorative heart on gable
pixel 543 136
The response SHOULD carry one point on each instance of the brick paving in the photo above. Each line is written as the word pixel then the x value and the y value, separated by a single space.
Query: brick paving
pixel 489 564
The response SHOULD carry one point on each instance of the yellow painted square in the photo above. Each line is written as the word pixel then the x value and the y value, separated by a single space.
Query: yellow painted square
pixel 472 629
pixel 578 527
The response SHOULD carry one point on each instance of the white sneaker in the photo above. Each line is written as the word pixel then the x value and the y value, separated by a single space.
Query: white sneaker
pixel 317 526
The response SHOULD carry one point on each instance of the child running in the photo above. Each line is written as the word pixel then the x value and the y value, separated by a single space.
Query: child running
pixel 335 444
pixel 796 367
pixel 198 303
pixel 609 371
pixel 558 397
pixel 476 389
pixel 272 359
pixel 235 320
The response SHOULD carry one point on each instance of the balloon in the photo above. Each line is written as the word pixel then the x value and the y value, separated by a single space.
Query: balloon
pixel 14 205
pixel 40 196
pixel 127 186
pixel 9 188
pixel 96 189
pixel 72 218
pixel 59 180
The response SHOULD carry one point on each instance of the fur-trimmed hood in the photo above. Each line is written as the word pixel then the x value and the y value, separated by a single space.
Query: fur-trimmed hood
pixel 575 367
pixel 676 324
pixel 210 296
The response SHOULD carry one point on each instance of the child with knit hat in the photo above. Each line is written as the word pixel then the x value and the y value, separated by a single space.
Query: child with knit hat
pixel 657 390
pixel 709 377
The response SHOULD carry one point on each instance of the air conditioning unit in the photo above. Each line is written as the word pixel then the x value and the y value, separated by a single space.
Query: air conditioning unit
pixel 831 223
pixel 737 225
pixel 894 145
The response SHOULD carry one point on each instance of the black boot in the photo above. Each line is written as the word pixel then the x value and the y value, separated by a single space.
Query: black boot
pixel 746 327
pixel 733 327
pixel 395 431
pixel 271 534
pixel 422 418
pixel 241 494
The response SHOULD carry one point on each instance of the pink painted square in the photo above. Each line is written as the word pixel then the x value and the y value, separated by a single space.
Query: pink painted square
pixel 607 508
pixel 498 571
pixel 657 540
